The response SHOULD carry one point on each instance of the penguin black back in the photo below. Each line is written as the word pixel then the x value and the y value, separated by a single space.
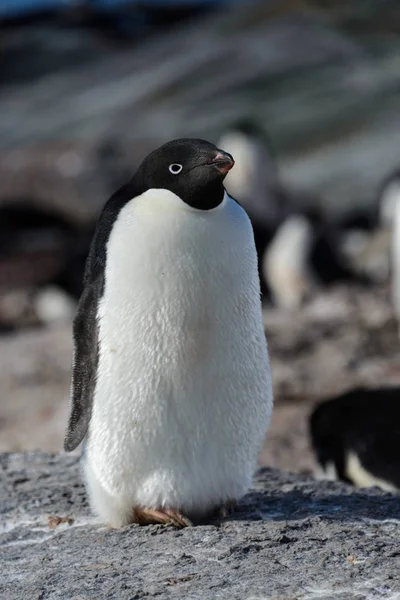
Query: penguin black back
pixel 362 423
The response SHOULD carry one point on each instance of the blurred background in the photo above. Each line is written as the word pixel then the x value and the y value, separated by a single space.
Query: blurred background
pixel 306 96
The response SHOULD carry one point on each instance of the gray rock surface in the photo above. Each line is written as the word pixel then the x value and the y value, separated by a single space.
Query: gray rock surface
pixel 290 538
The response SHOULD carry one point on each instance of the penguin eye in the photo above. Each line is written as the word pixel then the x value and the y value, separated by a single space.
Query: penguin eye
pixel 175 169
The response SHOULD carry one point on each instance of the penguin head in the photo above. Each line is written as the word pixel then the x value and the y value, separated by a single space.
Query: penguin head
pixel 192 169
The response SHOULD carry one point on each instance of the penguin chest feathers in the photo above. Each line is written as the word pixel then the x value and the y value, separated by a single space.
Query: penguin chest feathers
pixel 174 273
pixel 183 382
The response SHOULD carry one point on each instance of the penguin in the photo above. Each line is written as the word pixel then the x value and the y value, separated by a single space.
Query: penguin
pixel 255 181
pixel 303 256
pixel 389 217
pixel 355 437
pixel 296 244
pixel 388 197
pixel 171 384
pixel 366 234
pixel 395 257
pixel 286 264
pixel 256 184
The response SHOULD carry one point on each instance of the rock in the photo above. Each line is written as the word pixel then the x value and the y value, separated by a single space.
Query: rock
pixel 291 537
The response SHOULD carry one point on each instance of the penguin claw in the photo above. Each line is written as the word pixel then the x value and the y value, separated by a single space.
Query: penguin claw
pixel 177 519
pixel 167 516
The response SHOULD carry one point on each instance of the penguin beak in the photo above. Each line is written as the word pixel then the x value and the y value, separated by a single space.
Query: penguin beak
pixel 223 161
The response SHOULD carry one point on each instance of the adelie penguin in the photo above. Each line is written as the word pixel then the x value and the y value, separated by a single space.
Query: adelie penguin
pixel 377 250
pixel 355 437
pixel 296 245
pixel 171 384
pixel 256 184
pixel 389 212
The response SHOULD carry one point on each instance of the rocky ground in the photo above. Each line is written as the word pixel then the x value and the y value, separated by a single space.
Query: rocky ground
pixel 291 538
pixel 343 338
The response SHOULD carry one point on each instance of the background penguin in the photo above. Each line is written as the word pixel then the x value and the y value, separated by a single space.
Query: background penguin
pixel 395 256
pixel 375 251
pixel 389 216
pixel 303 255
pixel 171 384
pixel 355 437
pixel 286 263
pixel 255 183
pixel 366 235
pixel 388 198
pixel 297 246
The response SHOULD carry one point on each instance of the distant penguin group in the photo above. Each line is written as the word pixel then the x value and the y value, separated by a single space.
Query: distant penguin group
pixel 298 246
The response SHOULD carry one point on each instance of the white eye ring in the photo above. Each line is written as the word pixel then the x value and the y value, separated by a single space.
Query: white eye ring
pixel 175 168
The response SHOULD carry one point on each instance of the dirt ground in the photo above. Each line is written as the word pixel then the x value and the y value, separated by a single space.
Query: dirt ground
pixel 344 337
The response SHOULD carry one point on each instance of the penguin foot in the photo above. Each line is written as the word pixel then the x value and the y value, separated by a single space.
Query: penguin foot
pixel 165 516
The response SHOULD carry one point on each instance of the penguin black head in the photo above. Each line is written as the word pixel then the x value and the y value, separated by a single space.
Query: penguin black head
pixel 192 169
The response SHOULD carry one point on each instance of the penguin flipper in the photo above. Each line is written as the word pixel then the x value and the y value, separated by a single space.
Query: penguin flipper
pixel 85 359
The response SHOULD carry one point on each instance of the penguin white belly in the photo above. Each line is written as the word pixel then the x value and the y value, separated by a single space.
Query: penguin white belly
pixel 183 394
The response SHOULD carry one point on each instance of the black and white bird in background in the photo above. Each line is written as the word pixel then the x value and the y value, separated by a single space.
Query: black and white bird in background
pixel 355 437
pixel 171 386
pixel 389 206
pixel 374 250
pixel 298 246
